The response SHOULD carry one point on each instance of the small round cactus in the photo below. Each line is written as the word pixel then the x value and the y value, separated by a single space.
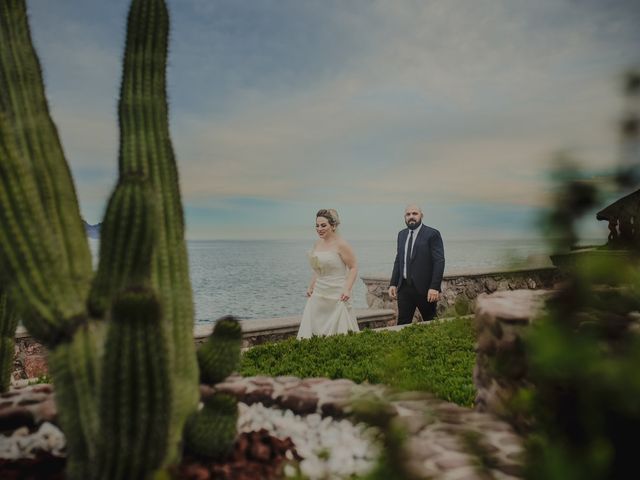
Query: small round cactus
pixel 219 356
pixel 212 431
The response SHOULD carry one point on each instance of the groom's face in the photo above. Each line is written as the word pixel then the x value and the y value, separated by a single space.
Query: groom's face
pixel 412 216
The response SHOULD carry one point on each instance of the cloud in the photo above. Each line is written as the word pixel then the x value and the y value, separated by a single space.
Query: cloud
pixel 357 103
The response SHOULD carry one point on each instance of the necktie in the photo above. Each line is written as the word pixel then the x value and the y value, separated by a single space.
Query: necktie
pixel 408 259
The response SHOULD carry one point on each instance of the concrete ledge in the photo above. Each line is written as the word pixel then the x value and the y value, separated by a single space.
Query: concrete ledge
pixel 435 321
pixel 30 360
pixel 258 331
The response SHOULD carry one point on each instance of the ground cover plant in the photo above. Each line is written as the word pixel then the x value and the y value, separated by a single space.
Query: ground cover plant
pixel 438 358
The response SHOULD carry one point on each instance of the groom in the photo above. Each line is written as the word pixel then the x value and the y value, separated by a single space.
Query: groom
pixel 418 268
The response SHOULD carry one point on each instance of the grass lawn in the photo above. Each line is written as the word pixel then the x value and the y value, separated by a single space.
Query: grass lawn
pixel 438 358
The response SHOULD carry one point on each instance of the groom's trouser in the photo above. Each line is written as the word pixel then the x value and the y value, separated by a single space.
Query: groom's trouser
pixel 409 299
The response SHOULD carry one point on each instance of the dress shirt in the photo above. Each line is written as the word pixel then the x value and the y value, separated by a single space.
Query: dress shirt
pixel 407 255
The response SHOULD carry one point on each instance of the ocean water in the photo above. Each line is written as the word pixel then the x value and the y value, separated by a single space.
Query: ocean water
pixel 269 278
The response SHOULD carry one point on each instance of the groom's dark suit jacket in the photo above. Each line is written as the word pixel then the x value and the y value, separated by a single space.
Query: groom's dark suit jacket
pixel 427 260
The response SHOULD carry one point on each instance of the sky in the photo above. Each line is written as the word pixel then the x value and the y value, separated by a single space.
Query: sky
pixel 279 108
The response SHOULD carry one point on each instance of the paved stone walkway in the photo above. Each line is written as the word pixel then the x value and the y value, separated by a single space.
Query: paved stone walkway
pixel 445 441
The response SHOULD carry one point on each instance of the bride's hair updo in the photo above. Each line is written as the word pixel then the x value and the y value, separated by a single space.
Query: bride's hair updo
pixel 331 215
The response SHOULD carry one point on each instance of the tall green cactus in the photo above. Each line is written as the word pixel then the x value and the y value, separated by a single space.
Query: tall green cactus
pixel 145 149
pixel 8 324
pixel 44 243
pixel 211 431
pixel 123 401
pixel 45 254
pixel 136 391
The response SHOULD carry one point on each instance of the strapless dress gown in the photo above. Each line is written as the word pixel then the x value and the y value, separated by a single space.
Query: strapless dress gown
pixel 324 313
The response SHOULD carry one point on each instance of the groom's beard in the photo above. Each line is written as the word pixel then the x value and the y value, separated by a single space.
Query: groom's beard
pixel 413 225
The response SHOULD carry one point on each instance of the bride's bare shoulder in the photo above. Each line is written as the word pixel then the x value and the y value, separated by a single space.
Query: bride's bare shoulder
pixel 343 245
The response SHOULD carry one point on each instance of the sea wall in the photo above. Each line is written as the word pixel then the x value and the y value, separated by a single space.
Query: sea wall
pixel 461 289
pixel 459 293
pixel 30 359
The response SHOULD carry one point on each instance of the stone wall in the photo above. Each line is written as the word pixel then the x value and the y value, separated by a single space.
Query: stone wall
pixel 501 320
pixel 460 290
pixel 30 359
pixel 502 368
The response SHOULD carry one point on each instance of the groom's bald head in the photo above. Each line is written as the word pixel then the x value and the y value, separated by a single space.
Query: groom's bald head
pixel 412 215
pixel 413 206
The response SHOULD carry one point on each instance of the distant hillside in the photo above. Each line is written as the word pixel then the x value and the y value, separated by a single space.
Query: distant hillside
pixel 93 231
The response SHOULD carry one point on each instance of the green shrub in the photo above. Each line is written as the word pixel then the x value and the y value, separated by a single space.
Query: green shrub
pixel 438 358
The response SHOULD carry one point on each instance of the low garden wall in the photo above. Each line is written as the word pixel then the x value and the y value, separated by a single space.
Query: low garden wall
pixel 30 357
pixel 460 290
pixel 459 293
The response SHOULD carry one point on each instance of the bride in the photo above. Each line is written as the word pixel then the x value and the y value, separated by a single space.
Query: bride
pixel 328 310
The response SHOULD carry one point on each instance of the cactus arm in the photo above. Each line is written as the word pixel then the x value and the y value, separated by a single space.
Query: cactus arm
pixel 136 390
pixel 23 251
pixel 43 243
pixel 146 149
pixel 72 366
pixel 128 238
pixel 23 102
pixel 43 247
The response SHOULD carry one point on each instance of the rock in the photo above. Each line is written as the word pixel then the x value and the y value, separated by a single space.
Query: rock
pixel 35 366
pixel 490 285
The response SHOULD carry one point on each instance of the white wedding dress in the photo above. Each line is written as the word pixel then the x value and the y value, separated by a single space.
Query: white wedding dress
pixel 324 313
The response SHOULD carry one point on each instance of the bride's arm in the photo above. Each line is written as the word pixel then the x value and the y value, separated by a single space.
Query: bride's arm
pixel 312 284
pixel 349 259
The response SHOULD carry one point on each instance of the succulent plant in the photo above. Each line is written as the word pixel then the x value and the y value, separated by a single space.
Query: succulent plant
pixel 121 349
pixel 211 431
pixel 219 356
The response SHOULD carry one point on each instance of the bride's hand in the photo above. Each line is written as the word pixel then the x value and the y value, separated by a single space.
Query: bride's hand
pixel 345 295
pixel 309 291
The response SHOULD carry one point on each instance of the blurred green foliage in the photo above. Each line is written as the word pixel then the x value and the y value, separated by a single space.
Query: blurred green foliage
pixel 583 361
pixel 584 353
